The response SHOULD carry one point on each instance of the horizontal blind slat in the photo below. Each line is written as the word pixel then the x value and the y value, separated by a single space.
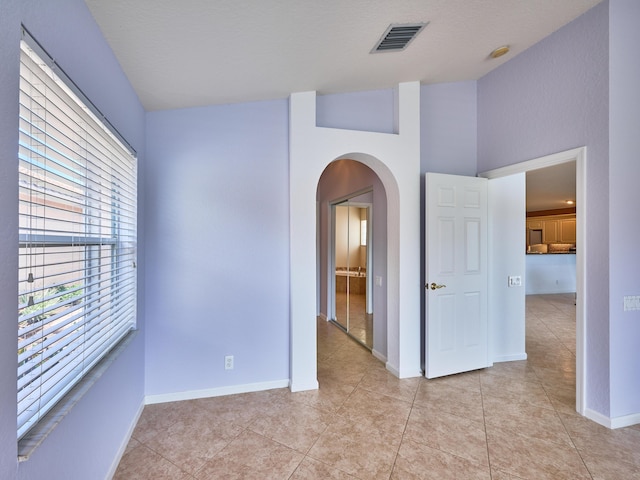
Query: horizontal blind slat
pixel 64 332
pixel 77 254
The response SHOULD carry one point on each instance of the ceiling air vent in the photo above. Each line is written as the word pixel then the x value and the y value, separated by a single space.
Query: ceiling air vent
pixel 397 37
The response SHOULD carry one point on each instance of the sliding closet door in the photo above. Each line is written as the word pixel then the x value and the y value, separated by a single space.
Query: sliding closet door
pixel 351 261
pixel 342 263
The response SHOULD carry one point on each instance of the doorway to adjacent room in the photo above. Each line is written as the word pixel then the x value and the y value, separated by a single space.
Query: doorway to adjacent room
pixel 351 256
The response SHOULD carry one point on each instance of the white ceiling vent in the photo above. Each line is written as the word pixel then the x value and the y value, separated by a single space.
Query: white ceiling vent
pixel 397 37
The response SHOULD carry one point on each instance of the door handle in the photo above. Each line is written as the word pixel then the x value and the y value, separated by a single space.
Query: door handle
pixel 434 286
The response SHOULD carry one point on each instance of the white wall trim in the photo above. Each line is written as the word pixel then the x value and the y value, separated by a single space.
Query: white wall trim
pixel 379 356
pixel 597 417
pixel 536 163
pixel 510 358
pixel 615 422
pixel 392 369
pixel 301 386
pixel 215 392
pixel 579 155
pixel 125 442
pixel 625 420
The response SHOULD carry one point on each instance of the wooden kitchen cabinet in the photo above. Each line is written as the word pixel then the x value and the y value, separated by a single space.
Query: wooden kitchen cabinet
pixel 555 228
pixel 567 230
pixel 550 231
pixel 534 224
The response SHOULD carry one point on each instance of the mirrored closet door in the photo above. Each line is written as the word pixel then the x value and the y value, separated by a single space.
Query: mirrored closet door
pixel 353 312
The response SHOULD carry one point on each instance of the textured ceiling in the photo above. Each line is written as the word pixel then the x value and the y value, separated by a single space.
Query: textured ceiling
pixel 201 52
pixel 191 53
pixel 549 188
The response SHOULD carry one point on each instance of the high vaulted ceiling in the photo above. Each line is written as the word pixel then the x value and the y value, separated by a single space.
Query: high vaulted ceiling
pixel 186 53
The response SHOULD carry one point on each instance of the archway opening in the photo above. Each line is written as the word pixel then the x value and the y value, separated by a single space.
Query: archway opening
pixel 352 262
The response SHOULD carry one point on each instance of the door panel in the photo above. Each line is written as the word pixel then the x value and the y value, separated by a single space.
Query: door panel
pixel 446 330
pixel 446 238
pixel 456 274
pixel 473 245
pixel 473 332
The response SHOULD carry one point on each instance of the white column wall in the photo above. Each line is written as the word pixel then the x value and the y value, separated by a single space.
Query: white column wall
pixel 396 160
pixel 507 206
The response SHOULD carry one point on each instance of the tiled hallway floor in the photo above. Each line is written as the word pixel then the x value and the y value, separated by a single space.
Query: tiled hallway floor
pixel 360 323
pixel 513 421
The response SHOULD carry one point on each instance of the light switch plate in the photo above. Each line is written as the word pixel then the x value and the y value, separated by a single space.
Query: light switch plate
pixel 515 281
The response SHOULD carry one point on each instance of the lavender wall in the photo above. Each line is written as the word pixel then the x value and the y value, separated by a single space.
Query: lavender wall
pixel 448 144
pixel 448 122
pixel 339 179
pixel 87 441
pixel 370 111
pixel 551 98
pixel 448 126
pixel 218 247
pixel 624 199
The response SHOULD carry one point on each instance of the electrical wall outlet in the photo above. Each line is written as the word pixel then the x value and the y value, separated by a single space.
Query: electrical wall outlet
pixel 228 362
pixel 515 281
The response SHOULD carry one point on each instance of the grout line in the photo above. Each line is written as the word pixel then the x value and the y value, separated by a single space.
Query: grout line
pixel 334 350
pixel 484 421
pixel 574 445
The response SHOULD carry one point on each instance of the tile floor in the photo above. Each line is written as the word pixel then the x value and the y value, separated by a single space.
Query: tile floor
pixel 357 322
pixel 512 421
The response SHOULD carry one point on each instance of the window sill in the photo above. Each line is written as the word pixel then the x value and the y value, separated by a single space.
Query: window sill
pixel 34 437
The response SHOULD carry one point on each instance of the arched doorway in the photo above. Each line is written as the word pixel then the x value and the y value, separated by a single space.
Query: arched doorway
pixel 347 271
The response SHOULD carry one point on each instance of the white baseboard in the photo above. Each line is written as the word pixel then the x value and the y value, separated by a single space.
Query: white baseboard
pixel 411 374
pixel 125 442
pixel 392 369
pixel 615 422
pixel 598 418
pixel 302 387
pixel 215 392
pixel 379 356
pixel 625 420
pixel 510 358
pixel 403 374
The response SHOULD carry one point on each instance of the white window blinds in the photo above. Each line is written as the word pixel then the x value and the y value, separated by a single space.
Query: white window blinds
pixel 77 252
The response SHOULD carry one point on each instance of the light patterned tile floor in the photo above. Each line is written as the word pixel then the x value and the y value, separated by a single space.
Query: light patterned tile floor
pixel 514 421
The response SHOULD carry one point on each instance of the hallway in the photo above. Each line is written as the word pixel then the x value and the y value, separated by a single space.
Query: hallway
pixel 513 421
pixel 360 324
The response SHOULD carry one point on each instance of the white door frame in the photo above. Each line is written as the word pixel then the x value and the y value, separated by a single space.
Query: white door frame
pixel 579 155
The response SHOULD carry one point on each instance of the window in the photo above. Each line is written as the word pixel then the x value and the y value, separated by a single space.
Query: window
pixel 77 230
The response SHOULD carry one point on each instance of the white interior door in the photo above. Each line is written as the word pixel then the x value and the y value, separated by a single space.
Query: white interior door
pixel 456 274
